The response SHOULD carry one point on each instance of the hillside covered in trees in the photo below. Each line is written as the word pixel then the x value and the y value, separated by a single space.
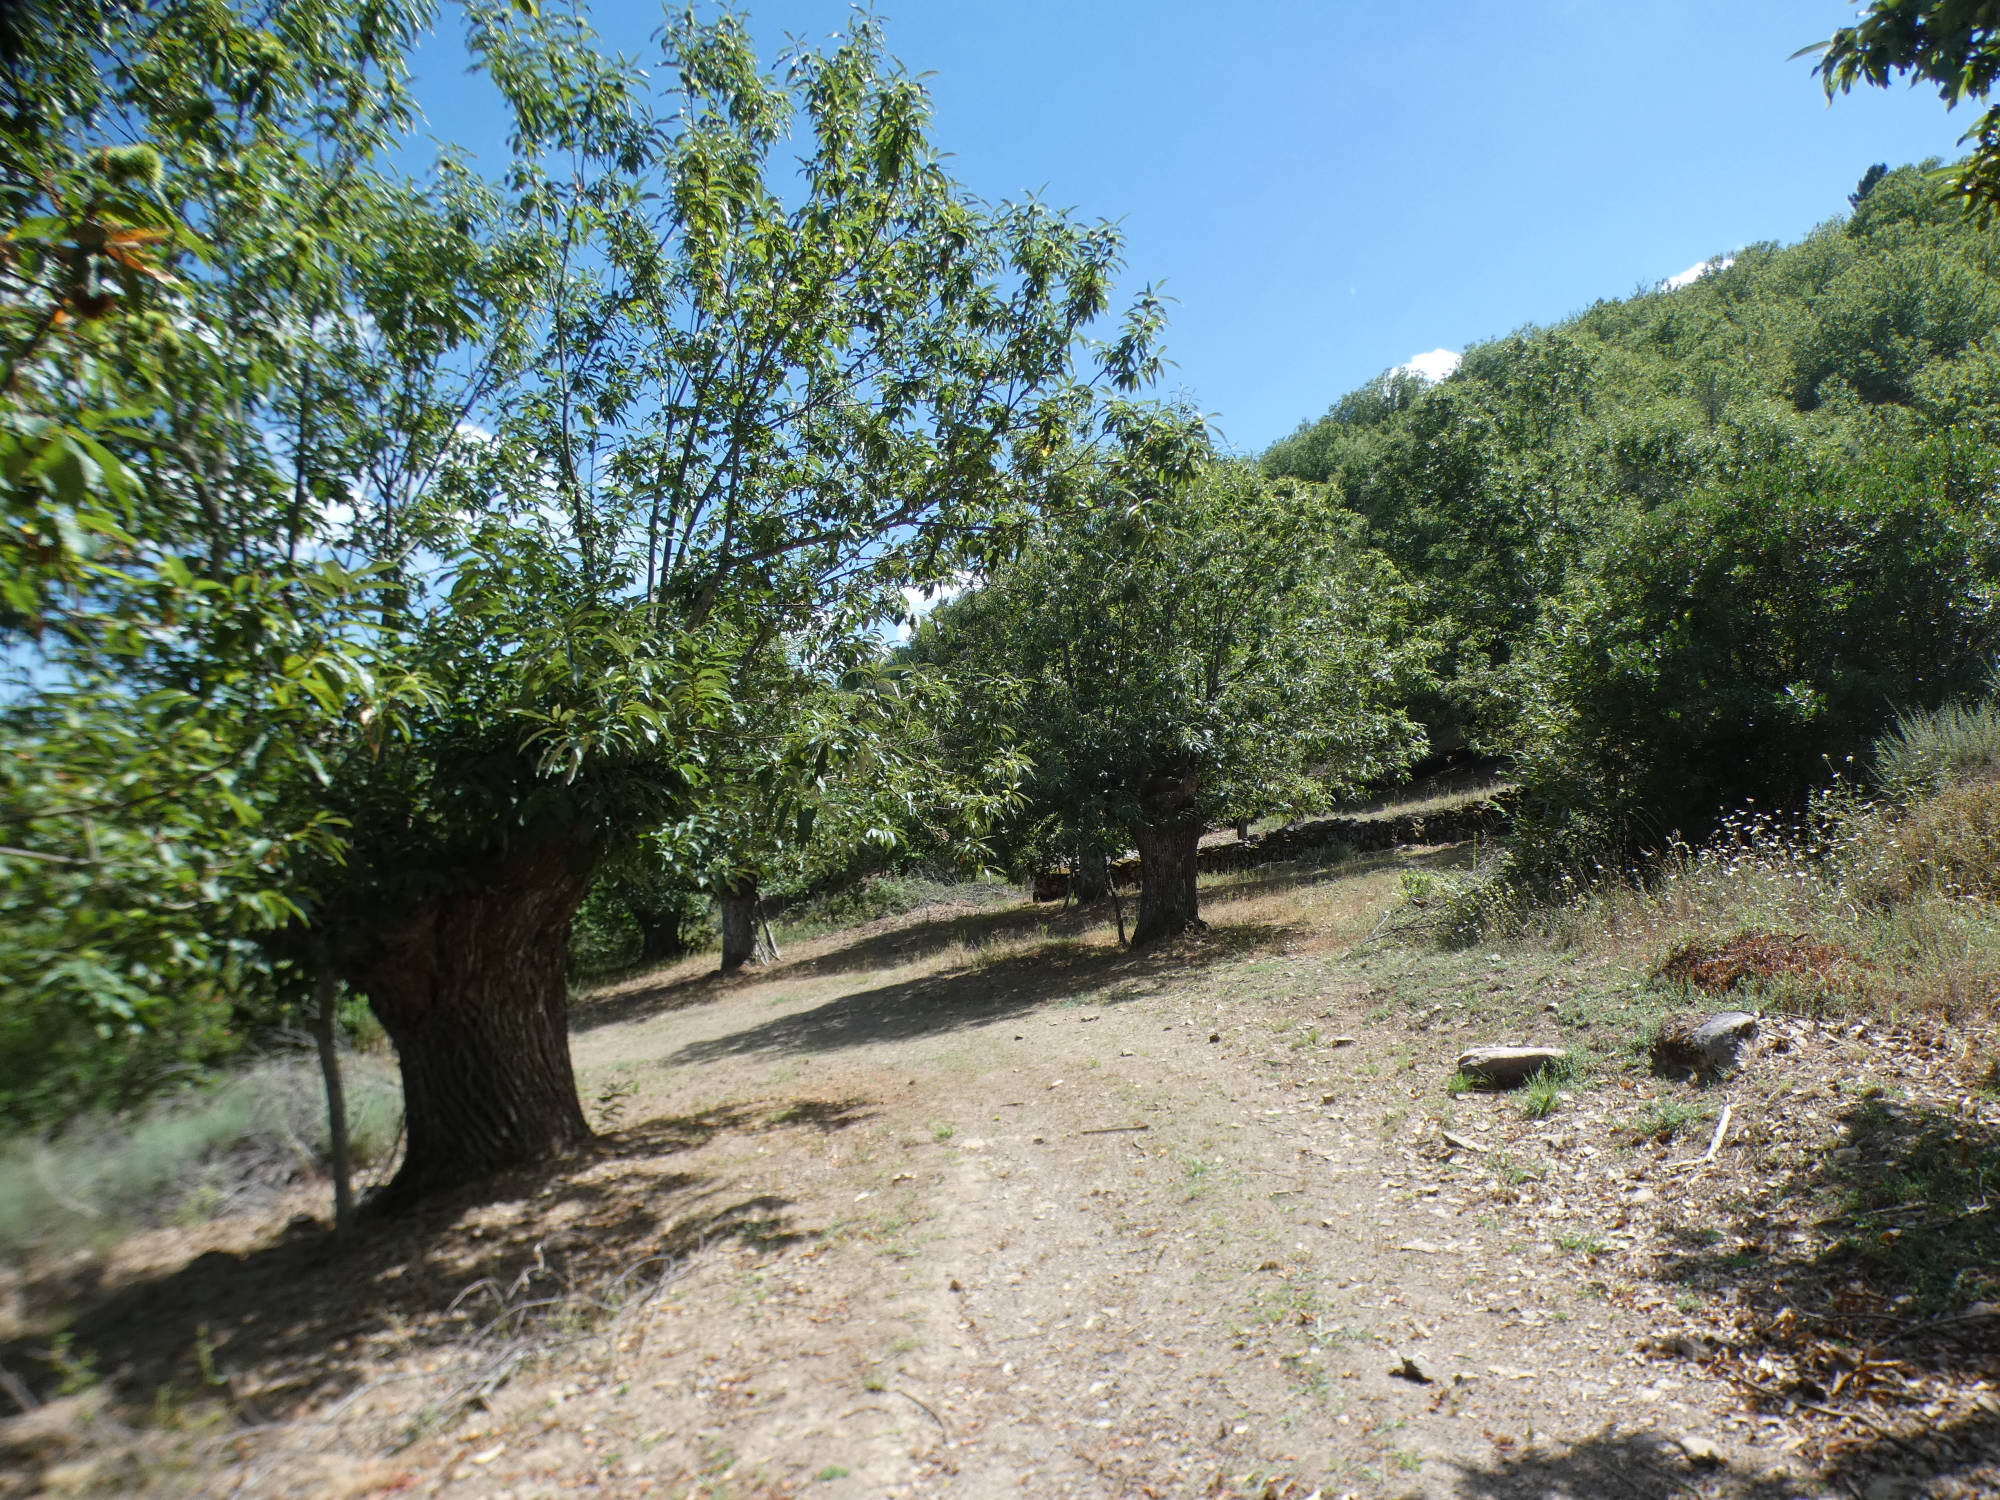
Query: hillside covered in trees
pixel 1702 544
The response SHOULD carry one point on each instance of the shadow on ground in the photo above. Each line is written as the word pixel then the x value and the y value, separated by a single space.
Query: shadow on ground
pixel 987 992
pixel 1951 1461
pixel 299 1322
pixel 1908 1209
pixel 987 989
pixel 1885 1319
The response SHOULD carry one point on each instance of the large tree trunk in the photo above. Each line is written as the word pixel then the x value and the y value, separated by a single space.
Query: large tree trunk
pixel 1093 878
pixel 743 935
pixel 1168 834
pixel 470 987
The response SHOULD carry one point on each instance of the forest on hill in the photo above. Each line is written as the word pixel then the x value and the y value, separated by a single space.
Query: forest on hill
pixel 418 586
pixel 1701 545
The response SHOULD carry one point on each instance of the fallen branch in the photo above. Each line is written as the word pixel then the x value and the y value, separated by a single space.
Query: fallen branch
pixel 1721 1129
pixel 932 1414
pixel 1114 1129
pixel 1714 1145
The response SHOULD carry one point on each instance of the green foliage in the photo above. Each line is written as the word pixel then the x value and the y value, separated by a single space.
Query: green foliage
pixel 1215 646
pixel 191 389
pixel 1954 44
pixel 1722 648
pixel 1849 352
pixel 373 542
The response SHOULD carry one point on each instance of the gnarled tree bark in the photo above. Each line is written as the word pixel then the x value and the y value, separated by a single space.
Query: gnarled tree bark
pixel 743 934
pixel 470 987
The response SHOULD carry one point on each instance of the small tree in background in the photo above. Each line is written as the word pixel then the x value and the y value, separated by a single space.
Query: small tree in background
pixel 1221 642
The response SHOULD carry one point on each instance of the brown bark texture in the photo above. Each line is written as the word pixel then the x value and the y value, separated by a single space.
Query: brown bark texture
pixel 1168 836
pixel 744 938
pixel 660 938
pixel 470 987
pixel 1093 878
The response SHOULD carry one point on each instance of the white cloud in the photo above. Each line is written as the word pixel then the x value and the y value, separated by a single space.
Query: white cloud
pixel 920 602
pixel 1433 366
pixel 1698 270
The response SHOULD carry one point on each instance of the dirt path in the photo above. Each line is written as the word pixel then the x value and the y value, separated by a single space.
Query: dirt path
pixel 1137 1233
pixel 973 1204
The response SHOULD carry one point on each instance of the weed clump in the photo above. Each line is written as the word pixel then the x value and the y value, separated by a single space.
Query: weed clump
pixel 1757 958
pixel 1664 1119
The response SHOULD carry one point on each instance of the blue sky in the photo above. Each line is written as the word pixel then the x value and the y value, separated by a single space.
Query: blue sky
pixel 1331 188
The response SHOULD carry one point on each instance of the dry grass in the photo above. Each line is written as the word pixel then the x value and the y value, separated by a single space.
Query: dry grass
pixel 1903 894
pixel 190 1157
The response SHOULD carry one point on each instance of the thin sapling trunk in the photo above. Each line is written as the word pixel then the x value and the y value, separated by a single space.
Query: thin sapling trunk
pixel 326 1016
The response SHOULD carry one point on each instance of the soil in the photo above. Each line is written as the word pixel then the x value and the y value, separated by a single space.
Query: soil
pixel 973 1203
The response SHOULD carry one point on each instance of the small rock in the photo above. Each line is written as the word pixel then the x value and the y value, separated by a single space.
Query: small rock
pixel 1459 1142
pixel 955 1286
pixel 1506 1067
pixel 1720 1035
pixel 1270 1265
pixel 1407 1368
pixel 1705 1048
pixel 1341 1041
pixel 1215 1036
pixel 1700 1450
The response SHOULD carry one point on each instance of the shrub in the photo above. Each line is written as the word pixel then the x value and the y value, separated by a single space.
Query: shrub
pixel 201 1153
pixel 1727 649
pixel 1948 844
pixel 1929 751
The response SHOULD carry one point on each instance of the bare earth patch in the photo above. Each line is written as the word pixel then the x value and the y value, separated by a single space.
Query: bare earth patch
pixel 972 1203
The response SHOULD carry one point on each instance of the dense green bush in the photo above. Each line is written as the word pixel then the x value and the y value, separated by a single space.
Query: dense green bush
pixel 1739 645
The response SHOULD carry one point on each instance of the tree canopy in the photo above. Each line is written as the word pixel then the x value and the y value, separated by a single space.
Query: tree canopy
pixel 1212 645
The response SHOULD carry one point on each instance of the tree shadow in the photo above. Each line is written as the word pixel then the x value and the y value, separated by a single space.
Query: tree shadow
pixel 1909 1209
pixel 1956 1459
pixel 890 944
pixel 970 933
pixel 299 1321
pixel 960 999
pixel 1863 1288
pixel 1609 1466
